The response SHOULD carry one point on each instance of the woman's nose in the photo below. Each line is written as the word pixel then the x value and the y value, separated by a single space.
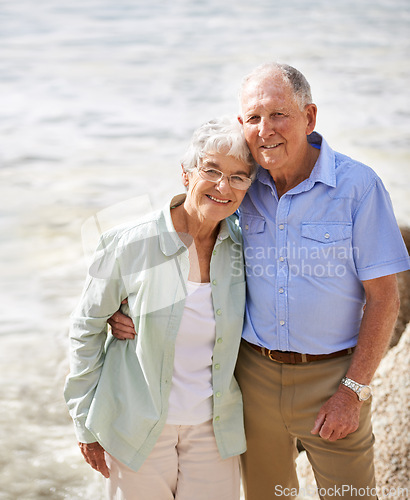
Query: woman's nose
pixel 224 185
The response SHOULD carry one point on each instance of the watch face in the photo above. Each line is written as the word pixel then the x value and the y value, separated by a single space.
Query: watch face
pixel 365 393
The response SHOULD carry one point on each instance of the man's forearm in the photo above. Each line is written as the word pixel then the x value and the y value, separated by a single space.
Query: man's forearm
pixel 382 307
pixel 339 416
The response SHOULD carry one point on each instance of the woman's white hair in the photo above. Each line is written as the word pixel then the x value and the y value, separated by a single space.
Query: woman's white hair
pixel 221 135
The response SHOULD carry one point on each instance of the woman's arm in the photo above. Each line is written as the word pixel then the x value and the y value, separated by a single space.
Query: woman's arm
pixel 101 297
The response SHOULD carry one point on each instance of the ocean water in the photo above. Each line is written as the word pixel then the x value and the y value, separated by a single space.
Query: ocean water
pixel 98 100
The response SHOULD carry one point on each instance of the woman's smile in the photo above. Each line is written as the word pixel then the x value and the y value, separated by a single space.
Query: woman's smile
pixel 218 200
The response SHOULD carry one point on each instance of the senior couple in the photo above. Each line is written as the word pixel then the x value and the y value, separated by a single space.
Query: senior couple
pixel 160 412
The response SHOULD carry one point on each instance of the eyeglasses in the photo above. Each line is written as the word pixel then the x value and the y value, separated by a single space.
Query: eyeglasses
pixel 236 181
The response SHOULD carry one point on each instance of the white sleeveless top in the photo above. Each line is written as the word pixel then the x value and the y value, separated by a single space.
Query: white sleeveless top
pixel 190 400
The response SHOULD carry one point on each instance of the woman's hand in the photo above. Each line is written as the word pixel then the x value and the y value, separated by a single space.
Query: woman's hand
pixel 122 326
pixel 94 456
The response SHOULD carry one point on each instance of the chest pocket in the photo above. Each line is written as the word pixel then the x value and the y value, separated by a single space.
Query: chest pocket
pixel 325 232
pixel 326 248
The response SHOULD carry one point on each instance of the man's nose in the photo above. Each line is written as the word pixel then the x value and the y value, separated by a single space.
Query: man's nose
pixel 265 128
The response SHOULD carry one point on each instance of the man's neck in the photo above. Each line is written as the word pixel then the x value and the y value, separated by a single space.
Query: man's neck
pixel 291 179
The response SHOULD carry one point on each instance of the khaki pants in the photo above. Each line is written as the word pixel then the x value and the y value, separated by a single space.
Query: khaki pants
pixel 281 402
pixel 185 464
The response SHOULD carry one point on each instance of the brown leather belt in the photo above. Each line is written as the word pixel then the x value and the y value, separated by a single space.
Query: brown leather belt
pixel 295 358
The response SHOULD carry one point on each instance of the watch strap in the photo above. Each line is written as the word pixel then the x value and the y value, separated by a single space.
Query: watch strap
pixel 355 387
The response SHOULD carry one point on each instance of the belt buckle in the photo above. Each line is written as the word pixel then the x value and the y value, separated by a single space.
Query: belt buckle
pixel 272 358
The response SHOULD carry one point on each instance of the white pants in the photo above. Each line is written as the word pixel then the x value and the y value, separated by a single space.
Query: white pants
pixel 185 465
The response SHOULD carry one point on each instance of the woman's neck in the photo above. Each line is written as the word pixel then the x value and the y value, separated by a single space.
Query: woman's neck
pixel 199 237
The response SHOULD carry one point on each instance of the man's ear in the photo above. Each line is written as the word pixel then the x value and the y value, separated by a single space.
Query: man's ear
pixel 185 179
pixel 311 113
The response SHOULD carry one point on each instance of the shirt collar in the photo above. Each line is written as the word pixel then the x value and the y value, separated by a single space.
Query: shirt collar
pixel 323 171
pixel 227 229
pixel 169 240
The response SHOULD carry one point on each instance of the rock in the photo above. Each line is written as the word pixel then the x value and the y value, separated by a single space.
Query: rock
pixel 404 290
pixel 391 418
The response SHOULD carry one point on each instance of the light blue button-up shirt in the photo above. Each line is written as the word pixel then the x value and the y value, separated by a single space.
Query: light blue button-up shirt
pixel 117 391
pixel 307 253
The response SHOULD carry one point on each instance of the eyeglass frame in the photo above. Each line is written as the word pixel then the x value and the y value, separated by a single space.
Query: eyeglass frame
pixel 201 168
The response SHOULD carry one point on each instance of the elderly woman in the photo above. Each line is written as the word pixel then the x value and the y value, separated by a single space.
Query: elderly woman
pixel 160 415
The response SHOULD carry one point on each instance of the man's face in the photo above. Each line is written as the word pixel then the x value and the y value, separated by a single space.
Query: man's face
pixel 274 126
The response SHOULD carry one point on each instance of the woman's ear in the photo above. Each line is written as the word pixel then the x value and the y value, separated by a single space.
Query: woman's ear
pixel 185 179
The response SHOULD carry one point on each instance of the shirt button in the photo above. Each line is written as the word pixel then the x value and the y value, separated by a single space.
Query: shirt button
pixel 281 290
pixel 217 366
pixel 218 394
pixel 281 226
pixel 246 226
pixel 281 259
pixel 218 312
pixel 214 252
pixel 220 340
pixel 281 322
pixel 214 282
pixel 327 236
pixel 217 418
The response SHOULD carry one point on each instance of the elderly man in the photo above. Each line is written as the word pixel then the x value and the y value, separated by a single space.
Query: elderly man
pixel 320 242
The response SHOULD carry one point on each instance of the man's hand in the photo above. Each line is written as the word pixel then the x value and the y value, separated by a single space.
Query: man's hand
pixel 339 416
pixel 94 456
pixel 122 326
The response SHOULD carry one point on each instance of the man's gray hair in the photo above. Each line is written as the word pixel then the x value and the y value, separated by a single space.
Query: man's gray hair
pixel 221 135
pixel 298 83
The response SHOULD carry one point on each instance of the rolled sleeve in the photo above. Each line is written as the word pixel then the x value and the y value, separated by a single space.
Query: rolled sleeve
pixel 378 246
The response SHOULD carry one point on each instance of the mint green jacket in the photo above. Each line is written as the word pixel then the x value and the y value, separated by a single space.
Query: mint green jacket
pixel 117 391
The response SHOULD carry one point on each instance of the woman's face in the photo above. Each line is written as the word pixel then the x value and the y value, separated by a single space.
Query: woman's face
pixel 210 201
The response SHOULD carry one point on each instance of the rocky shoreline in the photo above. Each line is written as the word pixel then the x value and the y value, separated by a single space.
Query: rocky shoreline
pixel 391 400
pixel 404 288
pixel 391 418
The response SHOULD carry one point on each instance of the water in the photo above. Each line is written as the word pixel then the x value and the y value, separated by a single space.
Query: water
pixel 98 100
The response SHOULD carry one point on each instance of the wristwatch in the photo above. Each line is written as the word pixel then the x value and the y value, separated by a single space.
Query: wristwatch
pixel 363 391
